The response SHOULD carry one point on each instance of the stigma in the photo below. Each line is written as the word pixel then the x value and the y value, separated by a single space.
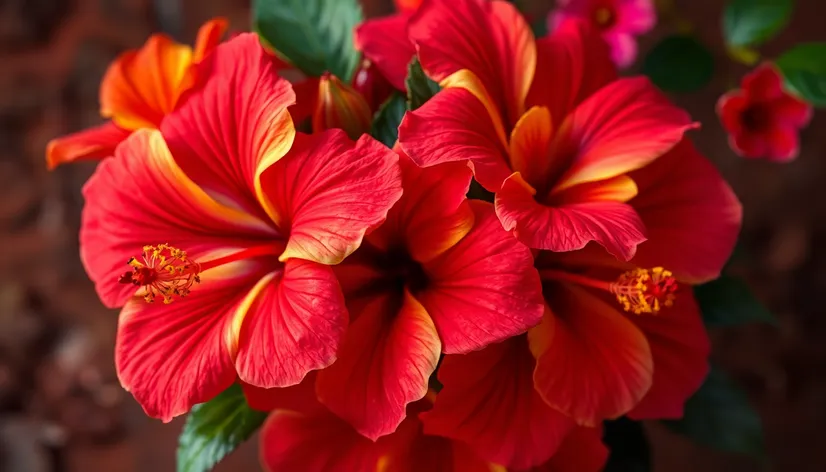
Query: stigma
pixel 644 291
pixel 164 271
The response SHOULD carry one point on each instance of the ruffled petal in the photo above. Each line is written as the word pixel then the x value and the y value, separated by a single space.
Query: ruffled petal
pixel 292 323
pixel 691 215
pixel 385 362
pixel 571 226
pixel 490 39
pixel 318 442
pixel 385 43
pixel 171 357
pixel 141 197
pixel 433 213
pixel 90 144
pixel 484 289
pixel 455 126
pixel 572 64
pixel 581 451
pixel 624 126
pixel 209 37
pixel 234 124
pixel 488 401
pixel 143 86
pixel 328 191
pixel 680 348
pixel 592 362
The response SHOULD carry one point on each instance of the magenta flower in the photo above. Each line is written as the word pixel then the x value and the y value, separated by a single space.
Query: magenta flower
pixel 619 20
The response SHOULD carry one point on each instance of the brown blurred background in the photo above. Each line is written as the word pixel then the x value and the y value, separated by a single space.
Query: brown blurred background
pixel 61 408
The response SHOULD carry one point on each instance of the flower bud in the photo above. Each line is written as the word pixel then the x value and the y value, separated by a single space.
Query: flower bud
pixel 372 84
pixel 341 106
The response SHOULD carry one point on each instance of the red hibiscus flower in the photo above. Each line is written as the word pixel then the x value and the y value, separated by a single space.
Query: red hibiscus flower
pixel 385 44
pixel 576 156
pixel 300 434
pixel 231 219
pixel 762 119
pixel 544 124
pixel 440 275
pixel 138 90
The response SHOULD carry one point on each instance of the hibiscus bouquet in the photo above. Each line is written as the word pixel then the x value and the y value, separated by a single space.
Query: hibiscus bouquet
pixel 433 240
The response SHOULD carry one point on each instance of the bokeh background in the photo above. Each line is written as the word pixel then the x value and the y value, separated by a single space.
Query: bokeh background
pixel 61 408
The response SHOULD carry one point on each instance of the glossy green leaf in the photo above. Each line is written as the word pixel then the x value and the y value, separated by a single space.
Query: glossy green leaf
pixel 753 22
pixel 804 67
pixel 729 301
pixel 719 416
pixel 387 120
pixel 314 35
pixel 420 88
pixel 628 446
pixel 679 64
pixel 214 429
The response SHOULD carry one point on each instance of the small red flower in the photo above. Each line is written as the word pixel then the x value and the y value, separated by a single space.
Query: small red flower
pixel 231 219
pixel 139 89
pixel 762 119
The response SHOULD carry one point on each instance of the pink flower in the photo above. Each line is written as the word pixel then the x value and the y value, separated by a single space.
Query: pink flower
pixel 762 119
pixel 619 21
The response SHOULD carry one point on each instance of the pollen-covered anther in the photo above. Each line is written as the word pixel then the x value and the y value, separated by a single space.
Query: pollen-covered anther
pixel 644 291
pixel 163 271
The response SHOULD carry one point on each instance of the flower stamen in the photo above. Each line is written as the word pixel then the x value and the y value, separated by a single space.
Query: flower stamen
pixel 643 291
pixel 164 271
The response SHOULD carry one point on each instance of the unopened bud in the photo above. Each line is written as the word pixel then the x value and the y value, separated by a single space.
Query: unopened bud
pixel 341 106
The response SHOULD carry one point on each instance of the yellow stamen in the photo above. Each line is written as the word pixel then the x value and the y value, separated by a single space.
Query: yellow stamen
pixel 643 291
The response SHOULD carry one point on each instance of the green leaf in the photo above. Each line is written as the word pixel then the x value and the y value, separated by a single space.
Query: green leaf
pixel 804 67
pixel 314 35
pixel 419 86
pixel 679 64
pixel 629 447
pixel 728 301
pixel 753 22
pixel 719 416
pixel 214 429
pixel 387 120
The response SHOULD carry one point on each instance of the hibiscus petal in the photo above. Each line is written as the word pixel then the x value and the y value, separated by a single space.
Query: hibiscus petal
pixel 680 348
pixel 328 191
pixel 490 39
pixel 763 83
pixel 484 289
pixel 433 213
pixel 571 226
pixel 234 124
pixel 592 362
pixel 749 144
pixel 141 197
pixel 624 126
pixel 90 144
pixel 455 126
pixel 299 398
pixel 384 364
pixel 290 324
pixel 530 145
pixel 572 64
pixel 318 442
pixel 209 37
pixel 143 86
pixel 623 48
pixel 581 451
pixel 385 43
pixel 174 356
pixel 691 215
pixel 488 401
pixel 730 108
